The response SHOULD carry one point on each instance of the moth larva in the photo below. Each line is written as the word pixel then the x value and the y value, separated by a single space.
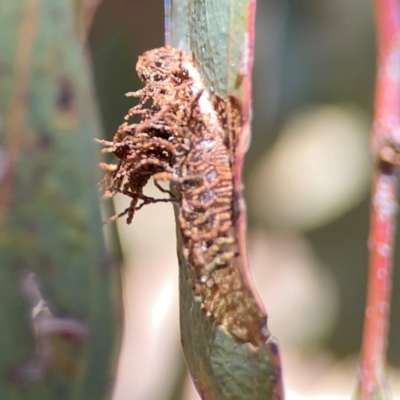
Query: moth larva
pixel 188 136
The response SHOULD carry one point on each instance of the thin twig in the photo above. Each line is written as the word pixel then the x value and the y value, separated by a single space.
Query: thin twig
pixel 385 146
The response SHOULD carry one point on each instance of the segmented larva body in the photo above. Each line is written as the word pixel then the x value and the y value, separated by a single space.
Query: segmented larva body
pixel 184 137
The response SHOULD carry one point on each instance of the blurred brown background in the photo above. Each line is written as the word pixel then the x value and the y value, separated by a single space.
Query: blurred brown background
pixel 307 183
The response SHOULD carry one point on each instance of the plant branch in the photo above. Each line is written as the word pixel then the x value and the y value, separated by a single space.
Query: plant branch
pixel 385 147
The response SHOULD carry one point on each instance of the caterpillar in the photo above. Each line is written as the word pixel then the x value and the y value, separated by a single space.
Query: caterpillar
pixel 188 136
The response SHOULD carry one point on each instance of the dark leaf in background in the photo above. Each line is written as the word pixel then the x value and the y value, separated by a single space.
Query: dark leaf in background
pixel 60 292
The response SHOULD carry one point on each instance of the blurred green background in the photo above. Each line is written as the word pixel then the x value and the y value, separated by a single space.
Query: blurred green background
pixel 307 178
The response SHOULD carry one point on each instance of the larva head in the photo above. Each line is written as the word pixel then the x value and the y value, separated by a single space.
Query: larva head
pixel 158 64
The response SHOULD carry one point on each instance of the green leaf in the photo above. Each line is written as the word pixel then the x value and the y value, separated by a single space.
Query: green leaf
pixel 218 34
pixel 58 290
pixel 215 31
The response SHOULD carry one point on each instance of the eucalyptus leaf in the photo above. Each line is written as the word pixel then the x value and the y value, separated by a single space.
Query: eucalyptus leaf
pixel 59 289
pixel 218 36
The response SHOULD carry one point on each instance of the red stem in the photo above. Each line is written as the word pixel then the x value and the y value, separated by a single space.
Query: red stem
pixel 244 138
pixel 385 135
